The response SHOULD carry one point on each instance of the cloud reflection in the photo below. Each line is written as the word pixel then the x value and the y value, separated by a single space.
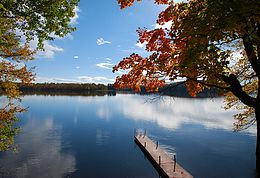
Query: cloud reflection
pixel 102 137
pixel 39 152
pixel 173 113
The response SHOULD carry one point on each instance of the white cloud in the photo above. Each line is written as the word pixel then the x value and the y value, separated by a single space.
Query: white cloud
pixel 49 50
pixel 140 51
pixel 79 79
pixel 74 19
pixel 101 41
pixel 141 45
pixel 54 80
pixel 88 79
pixel 75 57
pixel 122 72
pixel 166 25
pixel 105 65
pixel 77 67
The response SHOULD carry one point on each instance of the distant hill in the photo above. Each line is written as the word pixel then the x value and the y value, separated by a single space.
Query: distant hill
pixel 180 90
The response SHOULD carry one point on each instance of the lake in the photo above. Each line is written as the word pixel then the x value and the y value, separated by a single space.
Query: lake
pixel 92 136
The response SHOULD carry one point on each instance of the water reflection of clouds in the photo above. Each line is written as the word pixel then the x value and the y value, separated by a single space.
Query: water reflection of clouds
pixel 173 113
pixel 39 152
pixel 104 113
pixel 102 137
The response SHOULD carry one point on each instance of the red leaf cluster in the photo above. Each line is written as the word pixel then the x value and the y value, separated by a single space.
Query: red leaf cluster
pixel 127 3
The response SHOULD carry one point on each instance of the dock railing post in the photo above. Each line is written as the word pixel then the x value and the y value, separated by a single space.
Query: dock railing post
pixel 157 143
pixel 174 158
pixel 144 133
pixel 159 160
pixel 144 144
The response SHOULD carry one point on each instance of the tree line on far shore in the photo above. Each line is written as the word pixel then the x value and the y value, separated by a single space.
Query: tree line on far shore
pixel 175 89
pixel 62 88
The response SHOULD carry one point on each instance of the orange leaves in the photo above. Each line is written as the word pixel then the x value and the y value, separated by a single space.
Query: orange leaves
pixel 163 62
pixel 10 74
pixel 167 15
pixel 13 73
pixel 193 87
pixel 162 1
pixel 17 52
pixel 189 48
pixel 128 62
pixel 157 40
pixel 141 72
pixel 127 3
pixel 11 46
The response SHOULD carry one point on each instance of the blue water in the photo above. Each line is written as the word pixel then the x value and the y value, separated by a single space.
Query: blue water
pixel 92 136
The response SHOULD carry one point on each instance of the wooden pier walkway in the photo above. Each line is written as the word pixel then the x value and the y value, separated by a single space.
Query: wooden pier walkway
pixel 161 161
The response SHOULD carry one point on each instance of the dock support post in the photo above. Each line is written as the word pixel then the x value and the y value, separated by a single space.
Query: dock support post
pixel 174 158
pixel 144 144
pixel 144 133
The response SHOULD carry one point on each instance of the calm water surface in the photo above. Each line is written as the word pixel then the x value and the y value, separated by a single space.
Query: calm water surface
pixel 84 136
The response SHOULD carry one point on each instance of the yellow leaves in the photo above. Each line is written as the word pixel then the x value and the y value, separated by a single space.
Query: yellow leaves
pixel 11 89
pixel 10 44
pixel 7 130
pixel 193 87
pixel 39 20
pixel 125 3
pixel 10 74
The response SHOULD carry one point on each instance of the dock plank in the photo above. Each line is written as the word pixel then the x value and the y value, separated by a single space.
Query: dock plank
pixel 160 158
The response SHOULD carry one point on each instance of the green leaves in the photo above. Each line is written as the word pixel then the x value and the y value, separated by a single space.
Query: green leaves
pixel 42 20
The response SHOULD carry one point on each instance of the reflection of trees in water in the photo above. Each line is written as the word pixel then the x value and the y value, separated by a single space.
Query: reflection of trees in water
pixel 16 32
pixel 7 126
pixel 10 73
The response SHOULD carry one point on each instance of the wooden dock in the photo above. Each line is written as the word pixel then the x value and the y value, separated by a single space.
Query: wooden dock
pixel 167 166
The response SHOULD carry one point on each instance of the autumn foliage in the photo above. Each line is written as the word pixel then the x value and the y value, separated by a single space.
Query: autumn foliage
pixel 203 45
pixel 211 43
pixel 127 3
pixel 21 22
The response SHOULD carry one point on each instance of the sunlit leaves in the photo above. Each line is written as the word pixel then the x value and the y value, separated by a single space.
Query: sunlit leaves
pixel 201 46
pixel 22 21
pixel 127 3
pixel 10 74
pixel 141 72
pixel 7 129
pixel 41 19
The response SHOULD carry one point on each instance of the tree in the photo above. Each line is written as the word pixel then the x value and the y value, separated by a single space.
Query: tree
pixel 211 43
pixel 21 22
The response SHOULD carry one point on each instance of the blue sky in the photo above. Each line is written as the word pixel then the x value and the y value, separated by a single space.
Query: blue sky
pixel 105 34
